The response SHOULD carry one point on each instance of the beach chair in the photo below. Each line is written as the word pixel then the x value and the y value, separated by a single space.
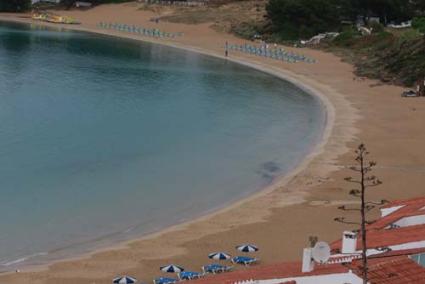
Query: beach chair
pixel 189 275
pixel 165 280
pixel 245 260
pixel 215 268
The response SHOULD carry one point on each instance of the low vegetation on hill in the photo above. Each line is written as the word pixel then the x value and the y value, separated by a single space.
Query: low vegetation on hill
pixel 392 55
pixel 389 55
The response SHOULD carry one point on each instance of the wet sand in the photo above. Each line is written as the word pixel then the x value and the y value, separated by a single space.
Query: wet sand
pixel 280 218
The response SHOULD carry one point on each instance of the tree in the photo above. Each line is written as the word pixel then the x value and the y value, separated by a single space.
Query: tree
pixel 14 5
pixel 364 181
pixel 293 19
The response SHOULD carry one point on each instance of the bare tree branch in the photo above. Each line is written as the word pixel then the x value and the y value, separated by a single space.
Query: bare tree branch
pixel 364 182
pixel 342 220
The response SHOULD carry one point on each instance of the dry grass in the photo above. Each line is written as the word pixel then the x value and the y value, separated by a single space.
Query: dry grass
pixel 222 17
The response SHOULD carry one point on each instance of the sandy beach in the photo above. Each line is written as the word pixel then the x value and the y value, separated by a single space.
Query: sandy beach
pixel 280 218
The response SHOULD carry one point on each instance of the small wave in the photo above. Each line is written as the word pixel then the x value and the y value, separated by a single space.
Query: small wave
pixel 22 259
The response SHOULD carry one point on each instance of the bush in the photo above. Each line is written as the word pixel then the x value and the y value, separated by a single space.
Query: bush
pixel 419 24
pixel 346 38
pixel 14 5
pixel 294 19
pixel 246 30
pixel 376 27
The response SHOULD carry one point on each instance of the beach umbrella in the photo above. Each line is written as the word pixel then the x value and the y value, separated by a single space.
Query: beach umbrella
pixel 171 268
pixel 219 256
pixel 124 280
pixel 247 248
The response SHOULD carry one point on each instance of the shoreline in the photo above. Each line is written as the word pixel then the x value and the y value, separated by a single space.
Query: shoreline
pixel 316 149
pixel 365 111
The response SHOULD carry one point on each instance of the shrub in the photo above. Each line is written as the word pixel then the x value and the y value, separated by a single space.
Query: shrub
pixel 14 5
pixel 419 24
pixel 346 38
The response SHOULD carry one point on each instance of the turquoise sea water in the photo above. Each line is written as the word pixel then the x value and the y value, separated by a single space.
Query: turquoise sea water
pixel 104 139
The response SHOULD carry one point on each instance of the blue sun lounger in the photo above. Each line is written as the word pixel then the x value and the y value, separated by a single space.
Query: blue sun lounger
pixel 188 275
pixel 245 260
pixel 215 268
pixel 165 280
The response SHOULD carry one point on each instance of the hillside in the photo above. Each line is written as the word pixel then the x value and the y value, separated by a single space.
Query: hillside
pixel 395 57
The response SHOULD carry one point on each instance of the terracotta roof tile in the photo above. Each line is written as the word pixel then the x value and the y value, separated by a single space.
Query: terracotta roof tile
pixel 280 270
pixel 394 270
pixel 411 208
pixel 389 237
pixel 413 201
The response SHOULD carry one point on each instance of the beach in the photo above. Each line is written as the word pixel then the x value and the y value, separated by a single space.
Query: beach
pixel 280 218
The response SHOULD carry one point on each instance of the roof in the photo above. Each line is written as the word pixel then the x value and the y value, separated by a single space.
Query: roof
pixel 389 237
pixel 411 207
pixel 273 271
pixel 382 270
pixel 413 201
pixel 394 270
pixel 379 236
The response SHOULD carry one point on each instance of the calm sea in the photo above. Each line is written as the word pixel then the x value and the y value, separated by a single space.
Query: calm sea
pixel 102 139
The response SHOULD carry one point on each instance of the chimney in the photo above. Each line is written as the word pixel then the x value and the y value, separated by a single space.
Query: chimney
pixel 308 263
pixel 349 242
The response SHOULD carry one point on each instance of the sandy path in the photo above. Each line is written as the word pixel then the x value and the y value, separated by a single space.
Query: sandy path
pixel 362 110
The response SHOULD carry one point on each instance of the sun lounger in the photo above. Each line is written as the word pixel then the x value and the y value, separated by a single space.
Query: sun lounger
pixel 165 280
pixel 189 275
pixel 245 260
pixel 215 268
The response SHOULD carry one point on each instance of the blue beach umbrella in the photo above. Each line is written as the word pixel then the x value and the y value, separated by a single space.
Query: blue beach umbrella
pixel 165 280
pixel 124 280
pixel 247 248
pixel 171 268
pixel 219 256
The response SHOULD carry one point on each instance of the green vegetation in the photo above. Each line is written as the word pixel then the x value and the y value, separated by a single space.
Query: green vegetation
pixel 294 19
pixel 247 29
pixel 301 19
pixel 14 5
pixel 419 24
pixel 396 57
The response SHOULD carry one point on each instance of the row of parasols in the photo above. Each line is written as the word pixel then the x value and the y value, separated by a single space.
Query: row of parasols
pixel 214 268
pixel 138 30
pixel 274 53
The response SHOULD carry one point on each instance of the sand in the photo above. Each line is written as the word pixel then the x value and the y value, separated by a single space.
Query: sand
pixel 282 217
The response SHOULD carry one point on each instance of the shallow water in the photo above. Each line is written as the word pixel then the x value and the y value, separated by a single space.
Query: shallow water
pixel 104 139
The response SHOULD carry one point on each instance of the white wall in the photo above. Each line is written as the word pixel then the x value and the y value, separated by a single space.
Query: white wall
pixel 410 221
pixel 340 278
pixel 389 210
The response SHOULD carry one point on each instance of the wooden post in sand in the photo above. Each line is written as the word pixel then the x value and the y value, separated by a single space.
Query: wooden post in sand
pixel 420 87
